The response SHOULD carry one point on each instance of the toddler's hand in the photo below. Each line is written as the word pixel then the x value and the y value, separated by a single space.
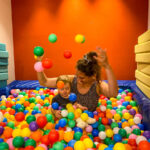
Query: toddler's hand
pixel 58 114
pixel 81 107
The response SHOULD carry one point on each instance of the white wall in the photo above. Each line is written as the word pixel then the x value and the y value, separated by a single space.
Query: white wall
pixel 6 35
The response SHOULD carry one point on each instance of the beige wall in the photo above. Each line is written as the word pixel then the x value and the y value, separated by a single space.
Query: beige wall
pixel 149 14
pixel 6 34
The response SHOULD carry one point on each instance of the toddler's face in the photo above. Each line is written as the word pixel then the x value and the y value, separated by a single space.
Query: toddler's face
pixel 65 91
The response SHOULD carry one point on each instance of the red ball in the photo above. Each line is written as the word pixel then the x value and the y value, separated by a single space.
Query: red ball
pixel 53 136
pixel 129 107
pixel 67 54
pixel 47 63
pixel 132 142
pixel 97 139
pixel 104 121
pixel 29 148
pixel 20 116
pixel 41 121
pixel 45 140
pixel 144 145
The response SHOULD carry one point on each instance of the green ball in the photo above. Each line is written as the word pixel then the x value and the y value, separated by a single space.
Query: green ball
pixel 30 142
pixel 109 107
pixel 101 127
pixel 18 141
pixel 133 103
pixel 30 119
pixel 99 103
pixel 125 141
pixel 119 97
pixel 109 102
pixel 107 140
pixel 58 146
pixel 11 124
pixel 71 123
pixel 4 146
pixel 36 108
pixel 3 107
pixel 70 115
pixel 38 51
pixel 114 125
pixel 32 100
pixel 52 38
pixel 77 136
pixel 46 132
pixel 49 117
pixel 123 133
pixel 136 131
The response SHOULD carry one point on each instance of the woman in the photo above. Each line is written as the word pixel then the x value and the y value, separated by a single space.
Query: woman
pixel 87 84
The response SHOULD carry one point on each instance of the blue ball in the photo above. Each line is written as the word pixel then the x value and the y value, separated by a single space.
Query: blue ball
pixel 71 143
pixel 18 106
pixel 37 88
pixel 1 140
pixel 77 129
pixel 34 112
pixel 95 125
pixel 25 112
pixel 95 132
pixel 57 126
pixel 90 114
pixel 86 111
pixel 141 126
pixel 120 90
pixel 123 120
pixel 119 124
pixel 5 120
pixel 117 138
pixel 55 105
pixel 72 97
pixel 42 97
pixel 62 123
pixel 108 148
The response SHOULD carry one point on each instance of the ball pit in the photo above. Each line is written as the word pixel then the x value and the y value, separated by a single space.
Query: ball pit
pixel 26 122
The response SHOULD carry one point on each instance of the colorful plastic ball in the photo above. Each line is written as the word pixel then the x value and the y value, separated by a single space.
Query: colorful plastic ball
pixel 38 51
pixel 30 118
pixel 79 145
pixel 119 146
pixel 71 123
pixel 77 135
pixel 102 135
pixel 67 54
pixel 84 116
pixel 55 105
pixel 53 136
pixel 4 146
pixel 95 132
pixel 144 145
pixel 123 132
pixel 64 113
pixel 117 138
pixel 79 38
pixel 71 115
pixel 140 138
pixel 52 38
pixel 30 142
pixel 60 84
pixel 1 130
pixel 68 136
pixel 58 146
pixel 77 129
pixel 41 121
pixel 33 126
pixel 101 127
pixel 146 134
pixel 89 129
pixel 20 116
pixel 18 141
pixel 10 143
pixel 45 140
pixel 109 133
pixel 72 97
pixel 136 131
pixel 88 143
pixel 104 121
pixel 137 120
pixel 38 67
pixel 47 63
pixel 71 143
pixel 102 146
pixel 25 132
pixel 62 123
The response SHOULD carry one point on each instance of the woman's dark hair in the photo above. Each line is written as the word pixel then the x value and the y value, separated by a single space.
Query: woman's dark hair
pixel 89 65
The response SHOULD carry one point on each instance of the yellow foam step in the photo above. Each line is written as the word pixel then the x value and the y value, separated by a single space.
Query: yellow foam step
pixel 144 37
pixel 142 77
pixel 145 68
pixel 141 48
pixel 143 57
pixel 144 88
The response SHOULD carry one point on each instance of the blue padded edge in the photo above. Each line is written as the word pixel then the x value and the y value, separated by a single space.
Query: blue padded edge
pixel 142 100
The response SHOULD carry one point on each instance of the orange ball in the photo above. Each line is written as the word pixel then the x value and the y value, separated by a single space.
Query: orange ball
pixel 68 148
pixel 26 103
pixel 20 116
pixel 104 121
pixel 61 135
pixel 84 137
pixel 12 111
pixel 125 124
pixel 36 135
pixel 8 132
pixel 60 84
pixel 45 140
pixel 144 145
pixel 50 126
pixel 128 147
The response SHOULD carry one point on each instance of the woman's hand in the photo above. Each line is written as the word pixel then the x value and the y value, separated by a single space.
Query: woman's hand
pixel 81 107
pixel 102 57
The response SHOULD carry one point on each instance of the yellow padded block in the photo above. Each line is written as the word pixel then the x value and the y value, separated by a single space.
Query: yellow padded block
pixel 144 37
pixel 143 57
pixel 142 77
pixel 141 48
pixel 145 68
pixel 144 88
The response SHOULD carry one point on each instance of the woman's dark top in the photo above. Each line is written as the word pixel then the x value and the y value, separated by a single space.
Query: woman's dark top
pixel 89 99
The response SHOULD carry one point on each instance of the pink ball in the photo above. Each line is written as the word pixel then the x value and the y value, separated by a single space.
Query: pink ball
pixel 125 111
pixel 9 142
pixel 113 111
pixel 139 115
pixel 123 95
pixel 38 105
pixel 13 91
pixel 38 67
pixel 119 102
pixel 134 127
pixel 132 136
pixel 41 92
pixel 43 145
pixel 89 128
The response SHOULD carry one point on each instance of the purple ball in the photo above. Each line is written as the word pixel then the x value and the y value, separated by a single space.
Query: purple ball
pixel 15 95
pixel 146 134
pixel 95 113
pixel 1 130
pixel 132 112
pixel 33 126
pixel 26 138
pixel 109 121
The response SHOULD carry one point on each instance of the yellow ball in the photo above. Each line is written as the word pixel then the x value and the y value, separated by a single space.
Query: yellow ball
pixel 79 38
pixel 119 146
pixel 25 132
pixel 88 143
pixel 68 105
pixel 109 133
pixel 68 136
pixel 127 98
pixel 79 110
pixel 79 145
pixel 16 132
pixel 84 116
pixel 126 116
pixel 135 108
pixel 102 146
pixel 117 117
pixel 131 122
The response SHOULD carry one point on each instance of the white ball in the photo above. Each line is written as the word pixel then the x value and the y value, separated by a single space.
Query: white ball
pixel 17 91
pixel 137 120
pixel 56 91
pixel 103 108
pixel 116 130
pixel 102 135
pixel 38 97
pixel 68 129
pixel 64 113
pixel 3 97
pixel 140 138
pixel 128 130
pixel 20 96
